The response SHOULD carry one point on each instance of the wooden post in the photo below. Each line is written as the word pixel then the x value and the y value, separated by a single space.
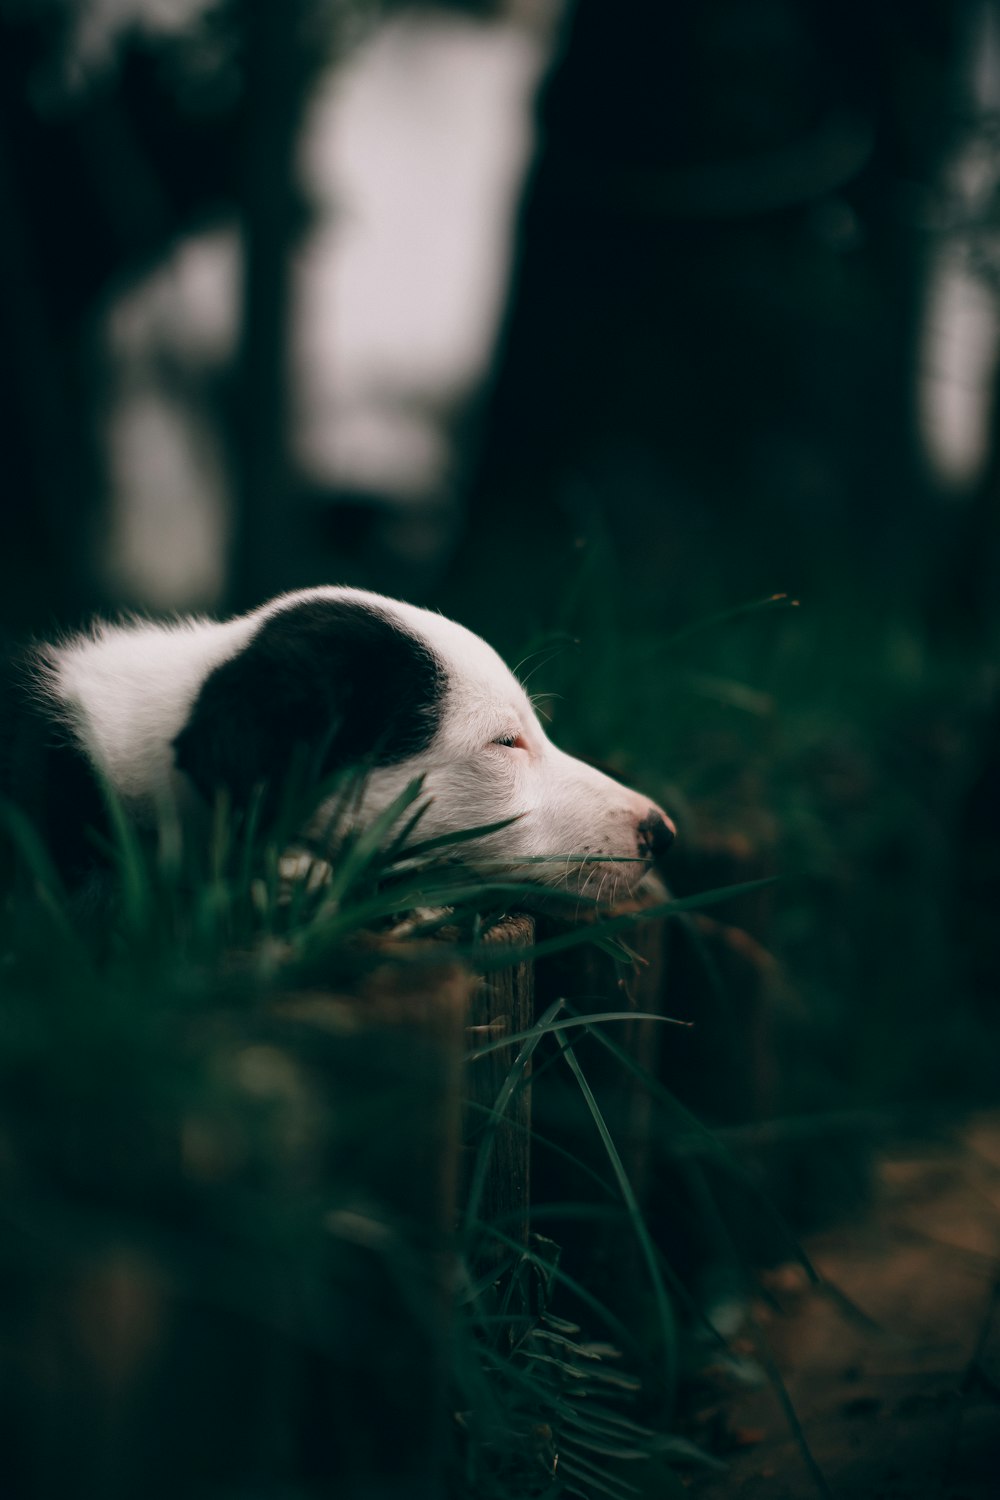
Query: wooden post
pixel 377 1414
pixel 502 1004
pixel 604 1257
pixel 287 1312
pixel 282 1321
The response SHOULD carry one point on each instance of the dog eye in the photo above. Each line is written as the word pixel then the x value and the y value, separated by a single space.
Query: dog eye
pixel 511 741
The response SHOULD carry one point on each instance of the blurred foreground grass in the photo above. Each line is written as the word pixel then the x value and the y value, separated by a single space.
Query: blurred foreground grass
pixel 231 1119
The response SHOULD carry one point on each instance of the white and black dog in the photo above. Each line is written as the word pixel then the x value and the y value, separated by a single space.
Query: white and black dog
pixel 170 714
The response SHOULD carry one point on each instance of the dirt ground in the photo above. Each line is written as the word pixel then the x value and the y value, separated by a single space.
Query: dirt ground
pixel 899 1399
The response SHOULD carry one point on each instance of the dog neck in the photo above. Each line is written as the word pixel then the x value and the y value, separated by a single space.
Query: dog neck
pixel 127 690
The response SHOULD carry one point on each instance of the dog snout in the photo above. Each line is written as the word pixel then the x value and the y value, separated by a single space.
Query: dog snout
pixel 656 834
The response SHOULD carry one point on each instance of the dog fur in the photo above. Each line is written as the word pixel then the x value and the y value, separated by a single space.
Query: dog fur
pixel 168 715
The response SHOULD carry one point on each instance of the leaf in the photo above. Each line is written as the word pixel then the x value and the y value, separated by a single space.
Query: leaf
pixel 36 858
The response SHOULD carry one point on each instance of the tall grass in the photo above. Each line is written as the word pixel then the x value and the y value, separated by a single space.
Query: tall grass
pixel 164 1128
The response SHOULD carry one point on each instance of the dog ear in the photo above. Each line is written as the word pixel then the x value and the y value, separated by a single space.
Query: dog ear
pixel 327 679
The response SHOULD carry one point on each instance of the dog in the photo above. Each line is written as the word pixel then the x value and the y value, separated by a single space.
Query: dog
pixel 171 715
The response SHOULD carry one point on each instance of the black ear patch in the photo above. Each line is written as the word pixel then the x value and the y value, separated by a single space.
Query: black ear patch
pixel 328 678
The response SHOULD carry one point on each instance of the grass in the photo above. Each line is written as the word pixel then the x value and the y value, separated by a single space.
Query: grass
pixel 184 1125
pixel 838 743
pixel 240 1177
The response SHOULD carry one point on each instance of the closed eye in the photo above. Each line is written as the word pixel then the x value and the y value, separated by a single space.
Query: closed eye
pixel 510 741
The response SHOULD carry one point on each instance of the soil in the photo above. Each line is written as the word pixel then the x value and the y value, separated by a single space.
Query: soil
pixel 897 1388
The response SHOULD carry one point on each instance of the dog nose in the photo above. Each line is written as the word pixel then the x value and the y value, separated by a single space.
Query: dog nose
pixel 656 834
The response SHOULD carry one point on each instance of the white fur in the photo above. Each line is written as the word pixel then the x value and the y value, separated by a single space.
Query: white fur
pixel 129 689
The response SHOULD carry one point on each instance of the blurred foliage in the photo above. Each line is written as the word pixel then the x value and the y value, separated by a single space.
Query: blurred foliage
pixel 852 754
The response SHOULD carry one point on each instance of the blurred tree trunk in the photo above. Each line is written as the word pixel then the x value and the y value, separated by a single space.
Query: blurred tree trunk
pixel 965 588
pixel 710 348
pixel 281 55
pixel 44 494
pixel 98 178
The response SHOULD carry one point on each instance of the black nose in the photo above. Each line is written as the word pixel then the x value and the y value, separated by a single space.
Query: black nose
pixel 656 834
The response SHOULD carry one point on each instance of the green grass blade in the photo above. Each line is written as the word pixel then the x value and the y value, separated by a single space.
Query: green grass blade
pixel 571 1023
pixel 134 880
pixel 460 836
pixel 29 844
pixel 694 1130
pixel 366 846
pixel 548 1145
pixel 623 1337
pixel 513 1081
pixel 724 617
pixel 668 1325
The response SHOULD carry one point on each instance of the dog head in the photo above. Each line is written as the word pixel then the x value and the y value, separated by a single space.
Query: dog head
pixel 357 680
